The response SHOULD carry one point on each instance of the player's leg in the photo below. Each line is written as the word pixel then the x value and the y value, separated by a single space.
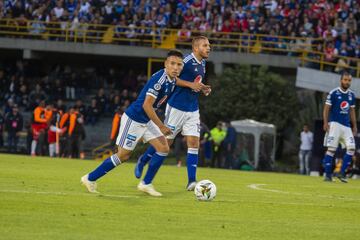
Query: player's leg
pixel 191 130
pixel 173 120
pixel 301 161
pixel 129 134
pixel 331 141
pixel 159 142
pixel 35 134
pixel 307 162
pixel 350 151
pixel 52 149
pixel 192 158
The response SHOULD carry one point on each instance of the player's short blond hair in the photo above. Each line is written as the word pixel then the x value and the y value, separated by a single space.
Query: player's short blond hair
pixel 196 40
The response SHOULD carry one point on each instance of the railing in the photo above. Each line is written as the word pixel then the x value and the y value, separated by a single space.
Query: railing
pixel 101 152
pixel 157 37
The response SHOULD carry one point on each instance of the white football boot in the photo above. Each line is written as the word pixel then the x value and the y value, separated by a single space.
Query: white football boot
pixel 191 186
pixel 149 189
pixel 90 185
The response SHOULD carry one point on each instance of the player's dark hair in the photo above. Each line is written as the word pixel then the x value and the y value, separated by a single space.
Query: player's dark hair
pixel 198 38
pixel 175 53
pixel 345 73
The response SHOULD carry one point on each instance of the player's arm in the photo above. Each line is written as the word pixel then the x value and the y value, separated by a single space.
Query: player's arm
pixel 206 91
pixel 72 123
pixel 150 112
pixel 327 107
pixel 353 119
pixel 37 116
pixel 196 86
pixel 326 117
pixel 115 125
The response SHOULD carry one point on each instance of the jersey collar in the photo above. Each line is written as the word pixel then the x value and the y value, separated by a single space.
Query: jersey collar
pixel 168 78
pixel 192 54
pixel 342 90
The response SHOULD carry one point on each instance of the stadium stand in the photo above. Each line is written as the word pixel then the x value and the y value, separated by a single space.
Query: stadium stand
pixel 322 34
pixel 319 31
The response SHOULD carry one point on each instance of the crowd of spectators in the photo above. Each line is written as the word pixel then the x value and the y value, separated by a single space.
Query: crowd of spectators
pixel 334 24
pixel 91 93
pixel 102 91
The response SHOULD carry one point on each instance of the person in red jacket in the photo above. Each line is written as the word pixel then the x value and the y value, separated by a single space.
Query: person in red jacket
pixel 38 126
pixel 115 125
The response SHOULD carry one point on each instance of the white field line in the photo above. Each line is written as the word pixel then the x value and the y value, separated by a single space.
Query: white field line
pixel 259 187
pixel 66 193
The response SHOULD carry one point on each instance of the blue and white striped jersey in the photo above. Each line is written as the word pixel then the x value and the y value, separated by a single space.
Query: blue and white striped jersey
pixel 185 99
pixel 160 86
pixel 340 103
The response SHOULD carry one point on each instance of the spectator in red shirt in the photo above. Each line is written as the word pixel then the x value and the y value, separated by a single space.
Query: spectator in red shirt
pixel 196 6
pixel 188 17
pixel 184 34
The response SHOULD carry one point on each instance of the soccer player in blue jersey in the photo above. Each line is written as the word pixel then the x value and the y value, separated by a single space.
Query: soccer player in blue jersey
pixel 141 122
pixel 340 125
pixel 182 111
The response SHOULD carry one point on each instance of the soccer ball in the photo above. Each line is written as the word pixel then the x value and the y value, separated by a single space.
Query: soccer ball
pixel 205 190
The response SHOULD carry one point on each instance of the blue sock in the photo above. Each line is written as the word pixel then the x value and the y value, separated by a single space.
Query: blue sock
pixel 327 161
pixel 191 162
pixel 154 165
pixel 346 161
pixel 145 158
pixel 106 166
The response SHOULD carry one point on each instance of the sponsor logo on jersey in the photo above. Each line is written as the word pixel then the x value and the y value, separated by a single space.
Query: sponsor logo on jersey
pixel 344 106
pixel 172 128
pixel 198 79
pixel 161 101
pixel 131 137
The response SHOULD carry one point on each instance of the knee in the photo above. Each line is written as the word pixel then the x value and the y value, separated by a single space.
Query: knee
pixel 122 155
pixel 331 151
pixel 193 143
pixel 164 148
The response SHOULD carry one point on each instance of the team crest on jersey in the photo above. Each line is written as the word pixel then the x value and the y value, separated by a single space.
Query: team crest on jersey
pixel 157 86
pixel 129 143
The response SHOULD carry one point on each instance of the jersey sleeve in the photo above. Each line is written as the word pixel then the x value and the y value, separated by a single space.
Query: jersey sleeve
pixel 154 88
pixel 329 99
pixel 352 103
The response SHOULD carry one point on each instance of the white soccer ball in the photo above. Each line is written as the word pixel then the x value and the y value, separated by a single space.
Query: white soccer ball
pixel 205 190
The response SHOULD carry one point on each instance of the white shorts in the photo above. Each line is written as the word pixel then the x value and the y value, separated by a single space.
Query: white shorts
pixel 130 132
pixel 186 122
pixel 339 134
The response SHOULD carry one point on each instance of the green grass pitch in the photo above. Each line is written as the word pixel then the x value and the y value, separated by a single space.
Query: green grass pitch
pixel 41 198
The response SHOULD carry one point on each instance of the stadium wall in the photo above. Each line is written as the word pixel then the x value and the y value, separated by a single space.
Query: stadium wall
pixel 321 81
pixel 36 48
